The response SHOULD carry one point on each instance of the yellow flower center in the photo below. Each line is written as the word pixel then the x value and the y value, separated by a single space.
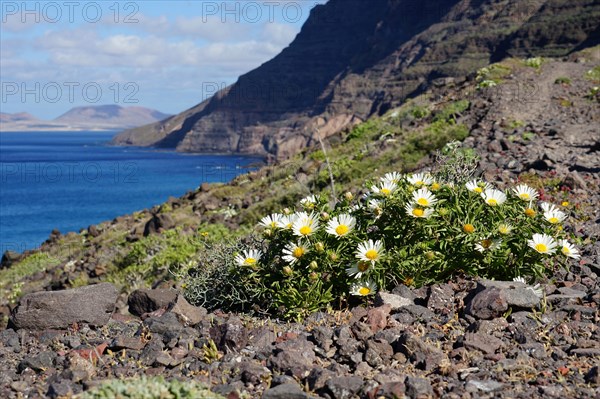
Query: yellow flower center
pixel 273 224
pixel 362 266
pixel 298 252
pixel 486 243
pixel 250 261
pixel 385 191
pixel 524 196
pixel 541 247
pixel 435 186
pixel 529 212
pixel 566 250
pixel 423 201
pixel 364 291
pixel 371 254
pixel 419 183
pixel 553 220
pixel 492 202
pixel 503 229
pixel 305 230
pixel 418 212
pixel 468 228
pixel 478 190
pixel 342 229
pixel 565 203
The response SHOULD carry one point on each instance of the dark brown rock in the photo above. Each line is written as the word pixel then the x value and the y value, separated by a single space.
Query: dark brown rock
pixel 488 304
pixel 93 304
pixel 146 301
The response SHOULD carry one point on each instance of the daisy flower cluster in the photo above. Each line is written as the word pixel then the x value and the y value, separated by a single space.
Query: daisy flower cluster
pixel 411 229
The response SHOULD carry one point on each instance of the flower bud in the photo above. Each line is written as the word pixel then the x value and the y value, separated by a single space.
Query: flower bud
pixel 430 255
pixel 320 247
pixel 313 265
pixel 287 271
pixel 313 276
pixel 349 196
pixel 325 216
pixel 286 211
pixel 268 233
pixel 334 256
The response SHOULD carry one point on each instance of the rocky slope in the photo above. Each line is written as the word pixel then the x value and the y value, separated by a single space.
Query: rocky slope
pixel 461 339
pixel 354 59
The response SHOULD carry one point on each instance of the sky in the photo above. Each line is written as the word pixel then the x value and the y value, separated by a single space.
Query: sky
pixel 161 54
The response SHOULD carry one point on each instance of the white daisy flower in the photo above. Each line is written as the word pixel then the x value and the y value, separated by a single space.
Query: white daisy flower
pixel 548 207
pixel 504 228
pixel 293 252
pixel 341 225
pixel 363 288
pixel 375 206
pixel 359 268
pixel 305 225
pixel 272 221
pixel 488 245
pixel 543 243
pixel 385 188
pixel 493 197
pixel 248 258
pixel 287 221
pixel 478 186
pixel 392 177
pixel 526 193
pixel 420 179
pixel 520 280
pixel 309 202
pixel 568 249
pixel 555 216
pixel 424 198
pixel 417 211
pixel 369 251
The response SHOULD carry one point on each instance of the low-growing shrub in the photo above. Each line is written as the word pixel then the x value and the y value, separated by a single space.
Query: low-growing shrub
pixel 413 229
pixel 149 388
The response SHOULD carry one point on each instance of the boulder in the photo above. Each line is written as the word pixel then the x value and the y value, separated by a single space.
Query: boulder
pixel 93 304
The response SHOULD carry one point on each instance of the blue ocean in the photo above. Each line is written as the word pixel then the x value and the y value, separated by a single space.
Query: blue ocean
pixel 70 180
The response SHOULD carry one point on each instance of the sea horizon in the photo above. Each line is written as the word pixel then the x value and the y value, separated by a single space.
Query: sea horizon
pixel 70 180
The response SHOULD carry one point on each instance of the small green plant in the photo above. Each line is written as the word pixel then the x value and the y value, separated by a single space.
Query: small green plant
pixel 210 351
pixel 534 62
pixel 10 278
pixel 563 80
pixel 528 136
pixel 593 74
pixel 593 93
pixel 150 388
pixel 484 84
pixel 413 229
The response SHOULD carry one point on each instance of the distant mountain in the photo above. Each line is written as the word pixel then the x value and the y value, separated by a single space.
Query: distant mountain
pixel 99 117
pixel 357 58
pixel 18 117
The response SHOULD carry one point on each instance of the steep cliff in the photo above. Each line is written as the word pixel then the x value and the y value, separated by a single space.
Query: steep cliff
pixel 356 58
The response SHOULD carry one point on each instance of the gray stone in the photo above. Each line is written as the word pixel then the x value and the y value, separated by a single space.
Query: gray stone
pixel 60 389
pixel 93 304
pixel 515 293
pixel 294 357
pixel 188 314
pixel 418 387
pixel 485 343
pixel 395 301
pixel 344 387
pixel 485 386
pixel 378 352
pixel 488 304
pixel 422 354
pixel 285 391
pixel 147 301
pixel 40 362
